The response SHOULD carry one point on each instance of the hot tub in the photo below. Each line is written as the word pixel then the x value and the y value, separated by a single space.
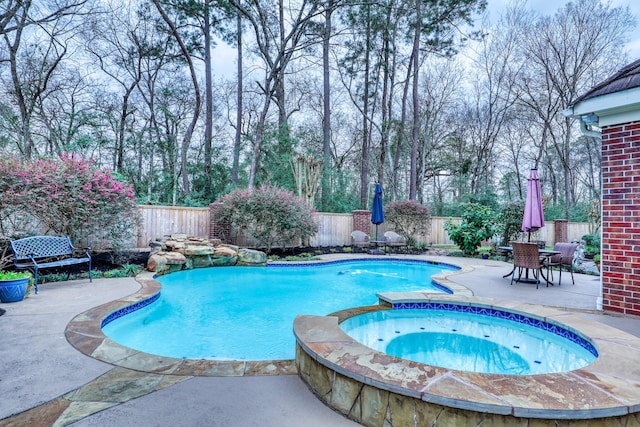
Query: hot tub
pixel 378 389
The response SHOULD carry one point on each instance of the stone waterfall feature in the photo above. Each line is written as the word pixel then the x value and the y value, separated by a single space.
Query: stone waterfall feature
pixel 178 252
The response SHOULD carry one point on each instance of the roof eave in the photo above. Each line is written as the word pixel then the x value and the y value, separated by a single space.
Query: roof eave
pixel 610 109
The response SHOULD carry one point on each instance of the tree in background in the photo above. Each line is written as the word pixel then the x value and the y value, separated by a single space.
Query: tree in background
pixel 106 79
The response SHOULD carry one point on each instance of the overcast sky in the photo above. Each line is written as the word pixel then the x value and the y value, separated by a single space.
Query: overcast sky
pixel 224 57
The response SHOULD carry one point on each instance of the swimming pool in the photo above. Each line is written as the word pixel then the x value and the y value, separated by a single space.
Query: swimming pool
pixel 246 313
pixel 469 339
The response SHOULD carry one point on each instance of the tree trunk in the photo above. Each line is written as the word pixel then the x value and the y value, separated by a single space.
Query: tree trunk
pixel 326 122
pixel 239 110
pixel 401 133
pixel 364 167
pixel 196 112
pixel 208 125
pixel 415 57
pixel 280 98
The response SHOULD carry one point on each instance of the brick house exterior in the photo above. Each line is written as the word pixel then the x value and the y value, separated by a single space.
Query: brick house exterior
pixel 614 107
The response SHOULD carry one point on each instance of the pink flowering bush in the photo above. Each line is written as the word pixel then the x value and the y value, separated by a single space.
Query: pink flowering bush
pixel 269 214
pixel 70 196
pixel 409 219
pixel 16 220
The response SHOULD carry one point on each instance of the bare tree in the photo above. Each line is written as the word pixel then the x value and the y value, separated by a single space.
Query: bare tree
pixel 276 50
pixel 34 56
pixel 569 53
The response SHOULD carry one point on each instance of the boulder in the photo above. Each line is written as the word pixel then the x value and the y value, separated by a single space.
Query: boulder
pixel 223 261
pixel 198 262
pixel 226 245
pixel 195 250
pixel 156 263
pixel 175 244
pixel 174 258
pixel 224 252
pixel 251 257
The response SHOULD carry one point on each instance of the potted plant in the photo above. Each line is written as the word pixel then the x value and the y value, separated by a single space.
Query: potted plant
pixel 13 285
pixel 596 260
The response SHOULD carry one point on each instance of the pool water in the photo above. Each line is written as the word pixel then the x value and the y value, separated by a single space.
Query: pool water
pixel 467 342
pixel 247 313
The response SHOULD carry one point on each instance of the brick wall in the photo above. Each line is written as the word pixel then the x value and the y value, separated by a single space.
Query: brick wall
pixel 620 262
pixel 361 220
pixel 217 229
pixel 561 228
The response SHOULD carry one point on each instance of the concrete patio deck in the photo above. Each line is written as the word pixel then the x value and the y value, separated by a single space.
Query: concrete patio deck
pixel 45 381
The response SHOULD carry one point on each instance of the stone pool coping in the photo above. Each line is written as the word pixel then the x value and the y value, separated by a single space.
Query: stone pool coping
pixel 84 332
pixel 609 387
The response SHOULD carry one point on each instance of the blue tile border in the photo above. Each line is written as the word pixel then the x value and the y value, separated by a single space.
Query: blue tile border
pixel 352 260
pixel 129 309
pixel 544 325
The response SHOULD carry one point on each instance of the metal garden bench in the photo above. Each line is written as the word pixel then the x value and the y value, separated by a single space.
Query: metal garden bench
pixel 34 253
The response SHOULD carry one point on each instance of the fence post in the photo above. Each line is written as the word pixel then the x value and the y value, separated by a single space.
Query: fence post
pixel 561 227
pixel 217 229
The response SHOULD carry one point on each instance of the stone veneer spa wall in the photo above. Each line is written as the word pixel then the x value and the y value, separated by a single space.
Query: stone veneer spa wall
pixel 376 389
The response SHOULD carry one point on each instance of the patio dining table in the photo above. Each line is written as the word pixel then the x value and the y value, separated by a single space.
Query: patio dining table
pixel 545 254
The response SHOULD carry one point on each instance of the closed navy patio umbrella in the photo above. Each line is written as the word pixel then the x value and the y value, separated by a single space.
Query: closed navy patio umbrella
pixel 377 212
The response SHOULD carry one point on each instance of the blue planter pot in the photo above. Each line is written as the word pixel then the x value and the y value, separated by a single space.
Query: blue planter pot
pixel 13 290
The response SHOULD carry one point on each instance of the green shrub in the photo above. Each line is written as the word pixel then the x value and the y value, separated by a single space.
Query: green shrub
pixel 477 224
pixel 592 240
pixel 132 269
pixel 269 214
pixel 409 219
pixel 115 273
pixel 509 224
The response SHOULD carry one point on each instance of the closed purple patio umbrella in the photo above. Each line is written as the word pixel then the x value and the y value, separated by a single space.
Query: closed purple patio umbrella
pixel 533 218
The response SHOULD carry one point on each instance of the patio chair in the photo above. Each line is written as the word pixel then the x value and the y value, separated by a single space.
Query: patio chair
pixel 360 239
pixel 527 256
pixel 564 259
pixel 393 239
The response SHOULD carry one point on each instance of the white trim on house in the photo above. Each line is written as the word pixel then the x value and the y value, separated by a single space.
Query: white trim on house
pixel 610 109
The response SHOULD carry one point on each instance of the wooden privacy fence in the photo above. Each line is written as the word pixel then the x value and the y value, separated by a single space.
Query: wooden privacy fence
pixel 160 220
pixel 333 229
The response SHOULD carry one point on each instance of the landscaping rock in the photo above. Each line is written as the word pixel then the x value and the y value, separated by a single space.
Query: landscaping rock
pixel 223 261
pixel 178 251
pixel 174 258
pixel 225 252
pixel 156 263
pixel 194 250
pixel 251 257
